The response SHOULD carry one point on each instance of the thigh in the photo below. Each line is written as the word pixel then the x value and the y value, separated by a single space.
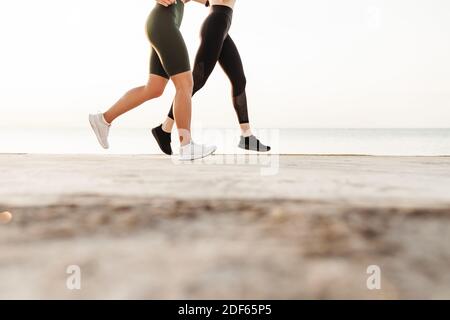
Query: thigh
pixel 213 33
pixel 156 66
pixel 230 60
pixel 172 51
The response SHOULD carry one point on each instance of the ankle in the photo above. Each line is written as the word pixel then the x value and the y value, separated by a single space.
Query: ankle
pixel 185 143
pixel 246 133
pixel 184 136
pixel 107 119
pixel 166 128
pixel 167 125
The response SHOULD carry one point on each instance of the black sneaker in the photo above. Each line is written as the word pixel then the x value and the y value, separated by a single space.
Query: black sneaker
pixel 163 139
pixel 253 144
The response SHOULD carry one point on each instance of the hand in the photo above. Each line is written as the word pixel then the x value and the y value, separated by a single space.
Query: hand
pixel 166 3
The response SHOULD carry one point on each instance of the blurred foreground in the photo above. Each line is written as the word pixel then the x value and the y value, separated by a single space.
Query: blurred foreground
pixel 258 227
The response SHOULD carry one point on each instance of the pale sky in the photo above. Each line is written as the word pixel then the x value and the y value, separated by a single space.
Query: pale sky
pixel 321 63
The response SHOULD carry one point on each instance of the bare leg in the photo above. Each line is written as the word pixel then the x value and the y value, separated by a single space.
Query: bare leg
pixel 183 105
pixel 137 96
pixel 167 125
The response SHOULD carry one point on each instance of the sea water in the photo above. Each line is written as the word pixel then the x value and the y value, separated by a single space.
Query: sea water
pixel 400 142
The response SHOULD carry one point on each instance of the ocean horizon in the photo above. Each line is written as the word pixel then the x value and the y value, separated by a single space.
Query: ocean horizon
pixel 317 141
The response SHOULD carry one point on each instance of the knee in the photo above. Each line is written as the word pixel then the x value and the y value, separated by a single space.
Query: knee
pixel 185 86
pixel 158 92
pixel 243 83
pixel 197 87
pixel 152 93
pixel 199 78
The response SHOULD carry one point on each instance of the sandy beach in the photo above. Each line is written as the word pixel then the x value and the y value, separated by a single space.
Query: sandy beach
pixel 262 227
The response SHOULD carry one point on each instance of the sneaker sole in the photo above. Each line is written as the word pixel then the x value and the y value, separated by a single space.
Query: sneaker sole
pixel 244 148
pixel 97 135
pixel 200 157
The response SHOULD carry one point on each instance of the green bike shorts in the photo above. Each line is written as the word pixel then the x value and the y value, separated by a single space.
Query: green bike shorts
pixel 169 55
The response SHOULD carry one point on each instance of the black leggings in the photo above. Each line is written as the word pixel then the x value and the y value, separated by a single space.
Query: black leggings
pixel 217 46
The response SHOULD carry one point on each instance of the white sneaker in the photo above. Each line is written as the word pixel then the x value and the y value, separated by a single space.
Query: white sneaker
pixel 194 151
pixel 101 128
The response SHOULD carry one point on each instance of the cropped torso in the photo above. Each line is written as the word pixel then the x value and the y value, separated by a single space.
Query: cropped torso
pixel 228 3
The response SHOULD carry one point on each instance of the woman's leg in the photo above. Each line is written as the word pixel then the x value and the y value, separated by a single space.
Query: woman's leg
pixel 101 122
pixel 137 96
pixel 183 105
pixel 213 33
pixel 231 63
